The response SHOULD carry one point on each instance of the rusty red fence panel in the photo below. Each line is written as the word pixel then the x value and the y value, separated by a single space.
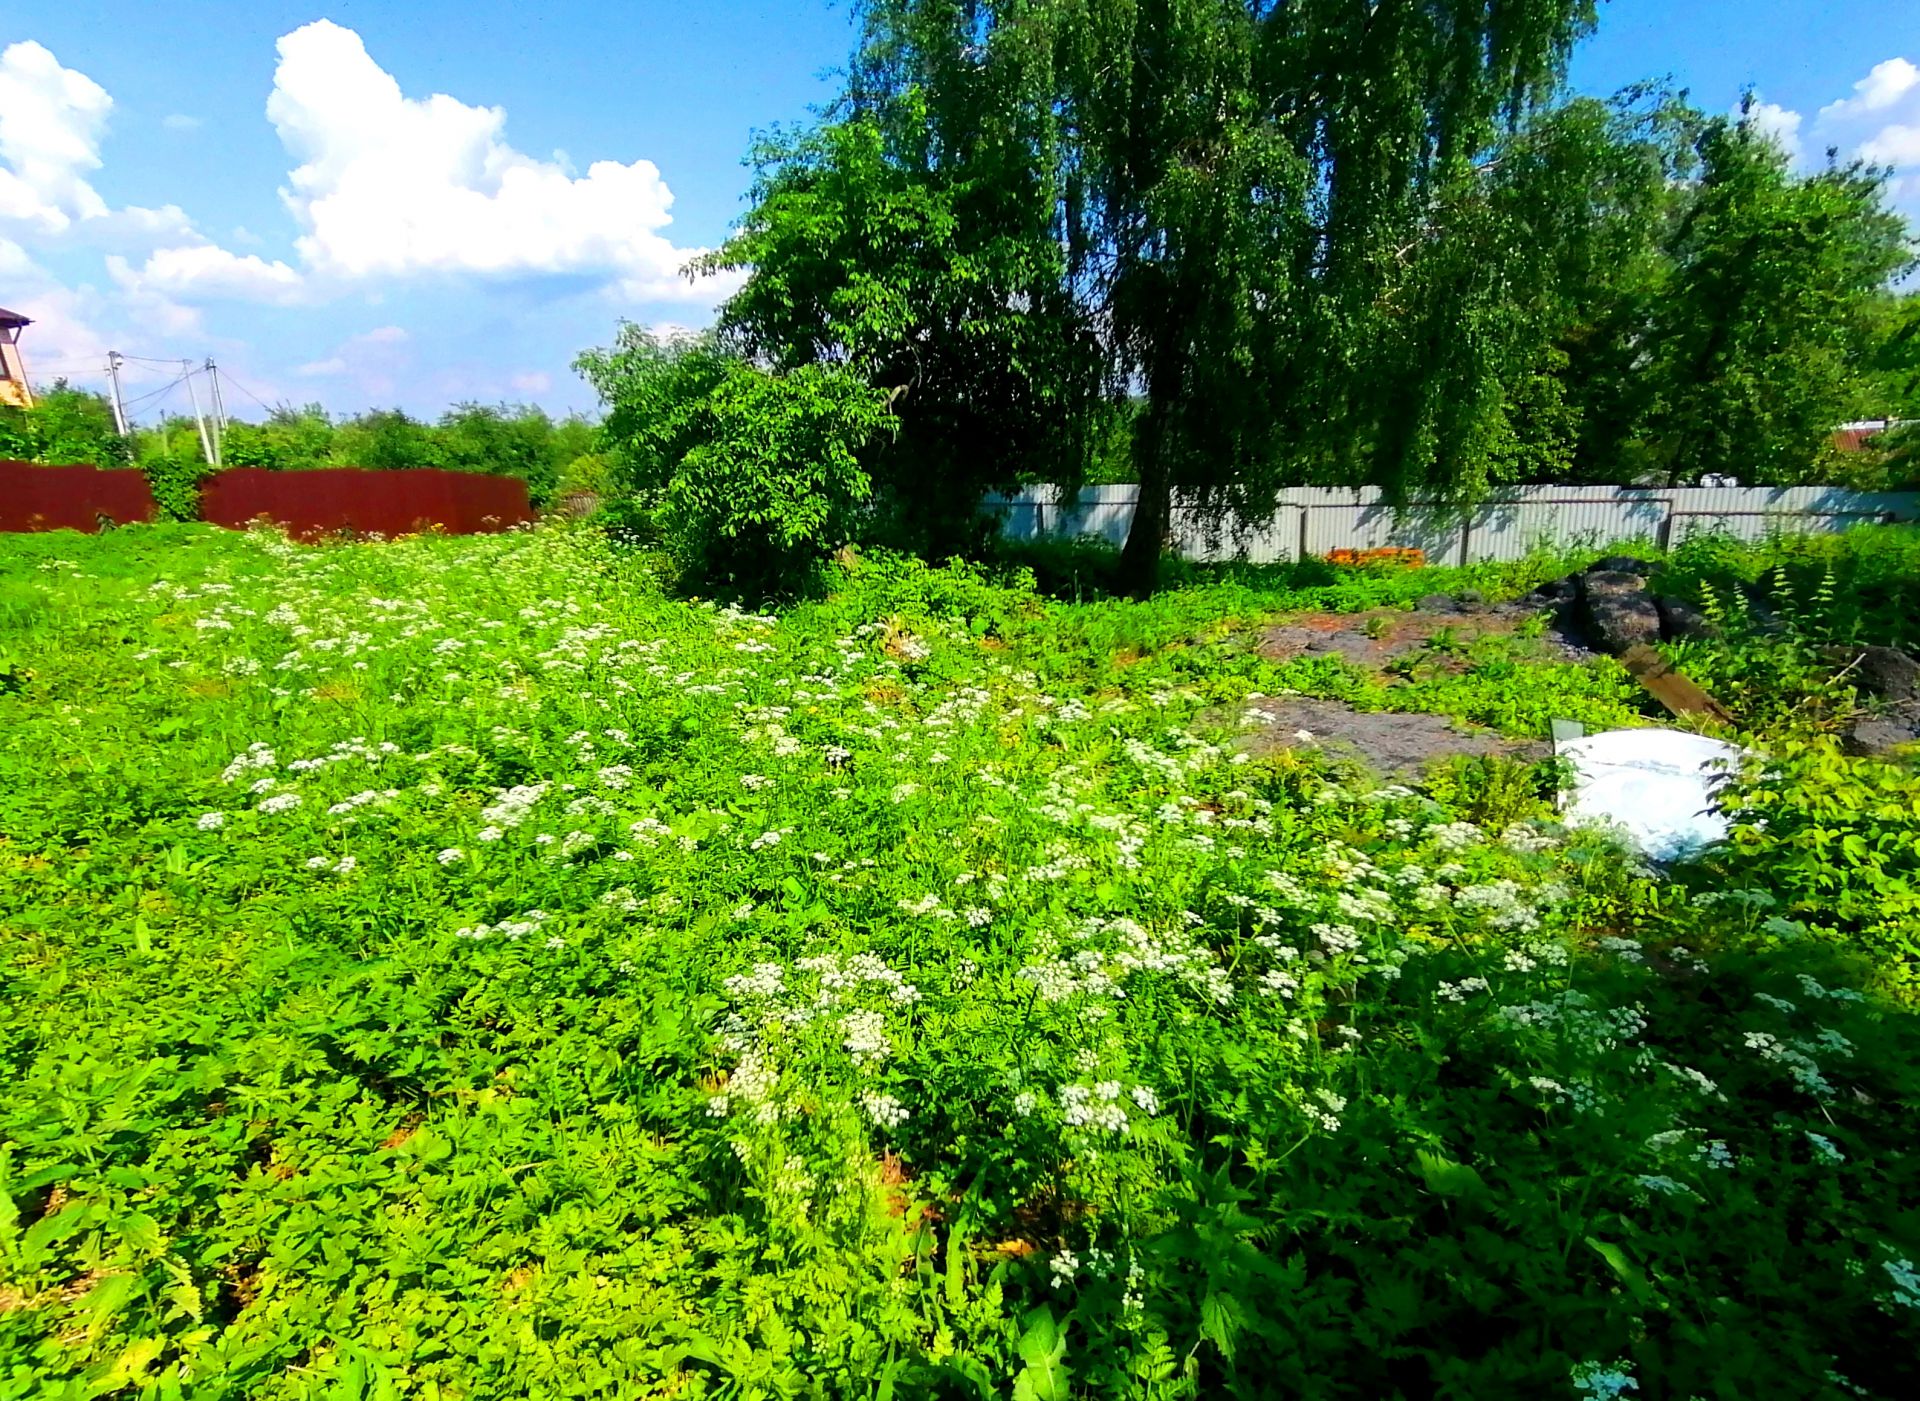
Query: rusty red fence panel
pixel 71 498
pixel 329 500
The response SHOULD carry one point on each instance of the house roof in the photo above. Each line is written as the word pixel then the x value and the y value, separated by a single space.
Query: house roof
pixel 13 319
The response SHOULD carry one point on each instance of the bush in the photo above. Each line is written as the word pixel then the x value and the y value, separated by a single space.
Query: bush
pixel 1836 840
pixel 753 478
pixel 773 486
pixel 175 482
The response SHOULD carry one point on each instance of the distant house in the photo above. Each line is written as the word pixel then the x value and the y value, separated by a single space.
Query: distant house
pixel 13 369
pixel 1859 435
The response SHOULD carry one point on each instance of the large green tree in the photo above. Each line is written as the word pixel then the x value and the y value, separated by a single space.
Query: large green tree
pixel 912 242
pixel 1764 331
pixel 1268 223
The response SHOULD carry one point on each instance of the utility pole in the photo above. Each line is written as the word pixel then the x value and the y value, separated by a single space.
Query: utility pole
pixel 219 400
pixel 206 443
pixel 113 378
pixel 219 412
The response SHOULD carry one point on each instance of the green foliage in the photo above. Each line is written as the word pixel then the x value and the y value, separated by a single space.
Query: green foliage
pixel 1835 840
pixel 753 478
pixel 508 441
pixel 288 440
pixel 455 967
pixel 1763 329
pixel 68 425
pixel 64 426
pixel 772 484
pixel 1783 605
pixel 911 243
pixel 1245 251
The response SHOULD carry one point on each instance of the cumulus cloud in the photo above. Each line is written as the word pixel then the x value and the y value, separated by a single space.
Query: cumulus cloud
pixel 1780 124
pixel 389 185
pixel 204 271
pixel 1885 84
pixel 52 121
pixel 1894 145
pixel 370 362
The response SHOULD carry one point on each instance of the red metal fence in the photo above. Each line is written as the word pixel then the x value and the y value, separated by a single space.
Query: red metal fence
pixel 335 499
pixel 309 504
pixel 71 498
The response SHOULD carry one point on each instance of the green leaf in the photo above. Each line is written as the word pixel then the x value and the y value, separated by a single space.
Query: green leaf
pixel 1617 1258
pixel 1448 1178
pixel 1043 1347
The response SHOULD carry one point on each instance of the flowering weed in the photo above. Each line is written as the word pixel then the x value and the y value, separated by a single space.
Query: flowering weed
pixel 509 980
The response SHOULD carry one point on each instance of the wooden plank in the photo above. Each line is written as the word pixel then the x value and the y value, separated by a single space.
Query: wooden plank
pixel 1669 687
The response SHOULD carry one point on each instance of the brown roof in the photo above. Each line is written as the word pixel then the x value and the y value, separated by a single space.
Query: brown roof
pixel 13 318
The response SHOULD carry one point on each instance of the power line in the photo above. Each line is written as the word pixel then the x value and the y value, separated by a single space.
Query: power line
pixel 175 383
pixel 246 391
pixel 148 360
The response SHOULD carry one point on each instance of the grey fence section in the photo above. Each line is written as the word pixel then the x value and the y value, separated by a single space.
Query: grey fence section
pixel 1310 521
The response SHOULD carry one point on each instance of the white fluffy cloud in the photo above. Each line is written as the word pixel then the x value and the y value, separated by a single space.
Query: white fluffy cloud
pixel 1782 124
pixel 387 186
pixel 51 122
pixel 203 271
pixel 1894 145
pixel 1885 84
pixel 1880 123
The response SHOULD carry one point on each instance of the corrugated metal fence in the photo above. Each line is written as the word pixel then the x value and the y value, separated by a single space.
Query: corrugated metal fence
pixel 79 497
pixel 308 504
pixel 1310 521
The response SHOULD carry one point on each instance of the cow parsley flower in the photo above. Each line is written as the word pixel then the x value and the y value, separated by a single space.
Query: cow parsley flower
pixel 1603 1381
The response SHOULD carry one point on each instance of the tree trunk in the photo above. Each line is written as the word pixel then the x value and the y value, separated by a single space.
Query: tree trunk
pixel 1152 518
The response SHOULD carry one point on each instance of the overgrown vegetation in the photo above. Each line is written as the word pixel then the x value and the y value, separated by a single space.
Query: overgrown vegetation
pixel 477 972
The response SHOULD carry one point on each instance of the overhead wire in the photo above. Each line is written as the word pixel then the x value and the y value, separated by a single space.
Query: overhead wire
pixel 172 384
pixel 227 375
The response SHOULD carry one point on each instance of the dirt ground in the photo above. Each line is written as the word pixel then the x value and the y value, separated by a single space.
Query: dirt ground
pixel 1394 744
pixel 1398 632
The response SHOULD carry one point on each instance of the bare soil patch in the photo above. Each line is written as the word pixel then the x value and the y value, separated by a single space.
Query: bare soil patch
pixel 1395 744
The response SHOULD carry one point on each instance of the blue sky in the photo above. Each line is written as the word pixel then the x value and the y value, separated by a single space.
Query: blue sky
pixel 415 203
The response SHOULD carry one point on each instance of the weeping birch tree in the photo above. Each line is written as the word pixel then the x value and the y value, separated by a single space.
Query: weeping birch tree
pixel 1270 222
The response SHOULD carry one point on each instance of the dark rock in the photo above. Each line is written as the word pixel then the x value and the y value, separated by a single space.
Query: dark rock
pixel 1281 643
pixel 1879 736
pixel 1471 601
pixel 1348 646
pixel 1556 591
pixel 1678 619
pixel 1887 673
pixel 1400 746
pixel 1610 583
pixel 1437 603
pixel 1621 564
pixel 1759 614
pixel 1621 620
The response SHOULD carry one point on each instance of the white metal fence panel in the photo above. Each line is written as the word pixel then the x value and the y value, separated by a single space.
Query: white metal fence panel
pixel 1315 520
